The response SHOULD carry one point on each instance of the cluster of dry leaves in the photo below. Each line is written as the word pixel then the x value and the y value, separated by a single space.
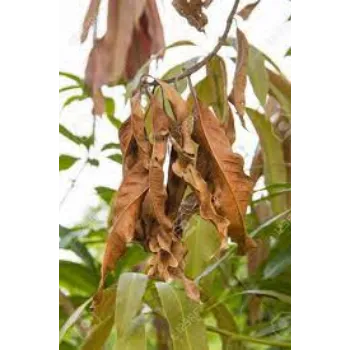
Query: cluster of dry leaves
pixel 202 168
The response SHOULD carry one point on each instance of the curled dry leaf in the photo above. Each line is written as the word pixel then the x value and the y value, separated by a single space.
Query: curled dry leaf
pixel 192 10
pixel 127 44
pixel 127 207
pixel 247 10
pixel 178 104
pixel 233 187
pixel 237 95
pixel 90 18
pixel 201 189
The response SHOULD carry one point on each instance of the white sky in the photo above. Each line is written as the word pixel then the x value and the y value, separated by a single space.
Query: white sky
pixel 266 29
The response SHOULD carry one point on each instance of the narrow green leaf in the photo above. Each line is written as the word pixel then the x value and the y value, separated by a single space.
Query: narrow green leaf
pixel 98 334
pixel 111 145
pixel 105 193
pixel 289 52
pixel 258 74
pixel 187 328
pixel 135 339
pixel 269 222
pixel 199 255
pixel 74 317
pixel 77 278
pixel 69 135
pixel 72 99
pixel 93 162
pixel 270 293
pixel 73 77
pixel 274 167
pixel 130 291
pixel 66 162
pixel 68 88
pixel 118 158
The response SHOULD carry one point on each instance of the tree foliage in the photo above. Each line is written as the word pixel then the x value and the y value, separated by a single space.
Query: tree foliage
pixel 194 254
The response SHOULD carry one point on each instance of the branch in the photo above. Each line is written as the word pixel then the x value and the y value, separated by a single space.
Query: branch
pixel 188 72
pixel 248 338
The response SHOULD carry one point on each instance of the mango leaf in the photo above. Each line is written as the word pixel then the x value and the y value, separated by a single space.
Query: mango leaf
pixel 66 162
pixel 78 80
pixel 110 112
pixel 274 166
pixel 73 99
pixel 187 329
pixel 118 158
pixel 213 89
pixel 259 230
pixel 77 278
pixel 105 193
pixel 199 255
pixel 136 337
pixel 90 18
pixel 258 74
pixel 73 318
pixel 289 52
pixel 270 293
pixel 130 291
pixel 109 146
pixel 247 10
pixel 69 135
pixel 68 88
pixel 98 334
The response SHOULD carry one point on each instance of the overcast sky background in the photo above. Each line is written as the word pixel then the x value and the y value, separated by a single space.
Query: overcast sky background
pixel 267 29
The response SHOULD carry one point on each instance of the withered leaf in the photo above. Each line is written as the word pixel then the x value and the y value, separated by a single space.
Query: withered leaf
pixel 207 209
pixel 233 187
pixel 158 194
pixel 90 18
pixel 192 10
pixel 127 211
pixel 247 10
pixel 237 95
pixel 177 103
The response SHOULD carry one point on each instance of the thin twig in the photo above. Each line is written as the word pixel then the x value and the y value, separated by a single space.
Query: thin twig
pixel 188 72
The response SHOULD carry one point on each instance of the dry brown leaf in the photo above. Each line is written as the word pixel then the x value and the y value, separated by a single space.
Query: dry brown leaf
pixel 192 10
pixel 90 18
pixel 237 95
pixel 158 194
pixel 177 103
pixel 233 188
pixel 229 127
pixel 134 32
pixel 207 209
pixel 247 10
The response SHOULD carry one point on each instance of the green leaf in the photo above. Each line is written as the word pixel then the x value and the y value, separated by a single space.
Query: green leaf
pixel 289 52
pixel 72 99
pixel 256 233
pixel 105 193
pixel 73 77
pixel 74 317
pixel 258 74
pixel 98 334
pixel 130 291
pixel 111 145
pixel 77 278
pixel 187 328
pixel 93 162
pixel 110 112
pixel 274 168
pixel 66 162
pixel 213 89
pixel 135 339
pixel 69 135
pixel 68 88
pixel 270 293
pixel 118 158
pixel 199 255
